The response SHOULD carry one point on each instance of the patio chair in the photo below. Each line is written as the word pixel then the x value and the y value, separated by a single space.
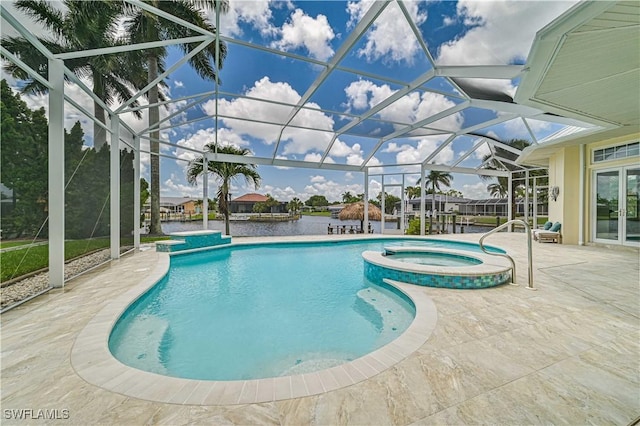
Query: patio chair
pixel 550 235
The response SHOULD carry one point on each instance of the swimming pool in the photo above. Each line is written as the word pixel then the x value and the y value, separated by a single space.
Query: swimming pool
pixel 256 311
pixel 434 259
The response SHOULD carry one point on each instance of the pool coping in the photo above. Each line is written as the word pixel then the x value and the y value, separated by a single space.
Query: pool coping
pixel 490 264
pixel 92 360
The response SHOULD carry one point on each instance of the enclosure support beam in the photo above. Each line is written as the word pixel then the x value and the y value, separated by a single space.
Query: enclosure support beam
pixel 365 226
pixel 422 199
pixel 581 196
pixel 510 200
pixel 137 208
pixel 382 206
pixel 205 193
pixel 114 192
pixel 526 197
pixel 56 173
pixel 403 209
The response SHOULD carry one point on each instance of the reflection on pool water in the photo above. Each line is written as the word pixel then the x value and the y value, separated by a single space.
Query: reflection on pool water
pixel 434 259
pixel 255 311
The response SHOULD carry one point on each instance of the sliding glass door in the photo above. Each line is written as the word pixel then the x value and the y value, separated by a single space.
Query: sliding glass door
pixel 616 219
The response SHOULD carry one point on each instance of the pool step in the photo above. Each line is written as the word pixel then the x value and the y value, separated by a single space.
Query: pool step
pixel 143 347
pixel 191 240
pixel 385 307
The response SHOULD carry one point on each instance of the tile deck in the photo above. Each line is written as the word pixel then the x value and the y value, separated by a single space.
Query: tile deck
pixel 566 353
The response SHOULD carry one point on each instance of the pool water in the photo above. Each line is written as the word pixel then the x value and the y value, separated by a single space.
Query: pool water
pixel 257 311
pixel 434 259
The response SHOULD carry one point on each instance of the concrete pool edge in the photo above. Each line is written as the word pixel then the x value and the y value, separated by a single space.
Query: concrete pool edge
pixel 491 272
pixel 93 362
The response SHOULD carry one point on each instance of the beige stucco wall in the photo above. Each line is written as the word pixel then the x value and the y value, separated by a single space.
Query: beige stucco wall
pixel 564 172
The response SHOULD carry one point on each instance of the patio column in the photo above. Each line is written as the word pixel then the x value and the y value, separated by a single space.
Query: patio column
pixel 205 193
pixel 382 206
pixel 535 202
pixel 114 191
pixel 510 199
pixel 136 192
pixel 56 173
pixel 526 196
pixel 402 207
pixel 581 197
pixel 422 201
pixel 366 201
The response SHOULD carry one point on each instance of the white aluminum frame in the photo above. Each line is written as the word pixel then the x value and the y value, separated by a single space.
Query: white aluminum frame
pixel 57 98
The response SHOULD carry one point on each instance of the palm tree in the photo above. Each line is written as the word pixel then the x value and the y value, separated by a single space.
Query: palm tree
pixel 295 205
pixel 225 173
pixel 499 189
pixel 435 179
pixel 84 25
pixel 412 192
pixel 146 27
pixel 346 197
pixel 503 181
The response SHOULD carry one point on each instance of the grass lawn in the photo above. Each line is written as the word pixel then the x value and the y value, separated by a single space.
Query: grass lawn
pixel 7 244
pixel 37 257
pixel 327 214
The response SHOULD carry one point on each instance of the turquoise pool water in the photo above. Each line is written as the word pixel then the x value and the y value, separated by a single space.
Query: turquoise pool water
pixel 434 259
pixel 248 312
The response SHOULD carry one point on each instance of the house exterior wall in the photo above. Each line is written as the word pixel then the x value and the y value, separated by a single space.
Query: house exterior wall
pixel 564 172
pixel 602 165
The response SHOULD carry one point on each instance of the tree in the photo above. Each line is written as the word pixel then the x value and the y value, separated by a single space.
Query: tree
pixel 348 198
pixel 435 179
pixel 24 158
pixel 143 27
pixel 517 173
pixel 390 201
pixel 412 192
pixel 83 25
pixel 225 173
pixel 317 201
pixel 499 189
pixel 295 205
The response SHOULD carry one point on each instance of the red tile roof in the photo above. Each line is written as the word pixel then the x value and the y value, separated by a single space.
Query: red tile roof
pixel 251 198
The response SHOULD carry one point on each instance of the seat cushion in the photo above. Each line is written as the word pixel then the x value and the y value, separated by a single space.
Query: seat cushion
pixel 556 227
pixel 548 224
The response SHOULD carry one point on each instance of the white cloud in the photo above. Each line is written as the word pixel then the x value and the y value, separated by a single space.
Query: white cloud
pixel 295 140
pixel 408 153
pixel 314 34
pixel 364 93
pixel 172 186
pixel 390 37
pixel 448 20
pixel 202 137
pixel 178 84
pixel 317 179
pixel 477 191
pixel 413 107
pixel 481 152
pixel 504 33
pixel 256 13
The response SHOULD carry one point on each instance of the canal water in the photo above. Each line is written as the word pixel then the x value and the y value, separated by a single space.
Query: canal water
pixel 306 225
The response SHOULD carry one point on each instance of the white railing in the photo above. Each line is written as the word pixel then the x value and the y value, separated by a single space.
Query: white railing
pixel 513 263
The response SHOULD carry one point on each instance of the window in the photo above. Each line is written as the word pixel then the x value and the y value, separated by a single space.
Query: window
pixel 617 152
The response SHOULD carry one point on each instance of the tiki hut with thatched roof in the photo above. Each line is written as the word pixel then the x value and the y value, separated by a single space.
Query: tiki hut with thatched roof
pixel 355 211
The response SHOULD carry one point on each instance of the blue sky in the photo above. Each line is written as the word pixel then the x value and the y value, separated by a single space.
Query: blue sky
pixel 456 33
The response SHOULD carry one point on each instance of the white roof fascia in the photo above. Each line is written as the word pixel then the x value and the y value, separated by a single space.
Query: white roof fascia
pixel 480 71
